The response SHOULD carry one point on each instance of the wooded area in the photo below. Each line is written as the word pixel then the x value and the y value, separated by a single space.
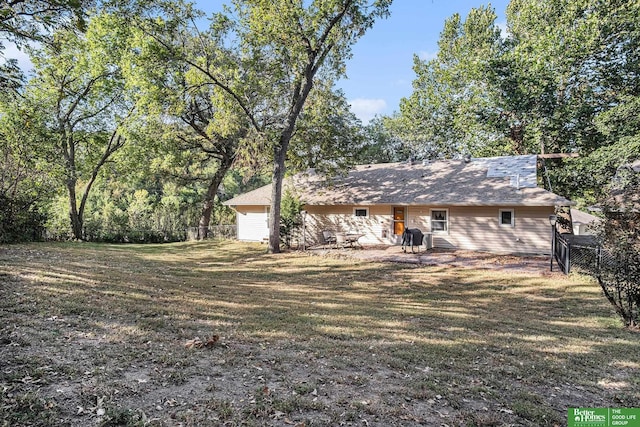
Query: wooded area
pixel 136 122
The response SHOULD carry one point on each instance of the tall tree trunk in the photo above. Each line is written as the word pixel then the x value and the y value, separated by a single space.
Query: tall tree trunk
pixel 516 134
pixel 212 190
pixel 74 216
pixel 279 154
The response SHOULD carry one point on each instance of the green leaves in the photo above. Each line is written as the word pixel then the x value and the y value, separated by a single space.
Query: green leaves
pixel 24 21
pixel 25 176
pixel 563 78
pixel 196 97
pixel 82 102
pixel 328 136
pixel 452 104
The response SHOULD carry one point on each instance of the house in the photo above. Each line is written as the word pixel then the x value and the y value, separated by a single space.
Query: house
pixel 583 222
pixel 489 204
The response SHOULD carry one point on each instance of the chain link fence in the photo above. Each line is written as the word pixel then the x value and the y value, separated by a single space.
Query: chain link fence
pixel 577 253
pixel 585 259
pixel 583 254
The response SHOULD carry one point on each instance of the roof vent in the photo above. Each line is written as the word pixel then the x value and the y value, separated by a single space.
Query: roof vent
pixel 467 158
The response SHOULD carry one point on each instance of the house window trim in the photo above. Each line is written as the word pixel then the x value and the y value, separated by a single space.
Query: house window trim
pixel 447 221
pixel 360 209
pixel 513 218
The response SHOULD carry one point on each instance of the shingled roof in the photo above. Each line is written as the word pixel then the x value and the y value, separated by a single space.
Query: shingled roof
pixel 493 181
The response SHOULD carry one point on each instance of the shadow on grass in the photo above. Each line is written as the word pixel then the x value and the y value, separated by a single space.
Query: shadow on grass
pixel 527 347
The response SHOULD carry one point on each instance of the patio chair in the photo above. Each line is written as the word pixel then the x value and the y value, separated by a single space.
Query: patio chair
pixel 329 238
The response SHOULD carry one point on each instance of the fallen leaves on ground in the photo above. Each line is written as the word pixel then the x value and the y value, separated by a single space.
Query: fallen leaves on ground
pixel 198 343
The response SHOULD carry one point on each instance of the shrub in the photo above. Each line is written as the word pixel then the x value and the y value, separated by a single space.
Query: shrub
pixel 619 272
pixel 20 220
pixel 290 220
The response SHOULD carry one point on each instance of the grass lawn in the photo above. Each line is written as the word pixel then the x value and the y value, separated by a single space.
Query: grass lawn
pixel 96 335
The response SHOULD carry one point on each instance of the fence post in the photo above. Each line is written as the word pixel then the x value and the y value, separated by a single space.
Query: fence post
pixel 553 246
pixel 568 258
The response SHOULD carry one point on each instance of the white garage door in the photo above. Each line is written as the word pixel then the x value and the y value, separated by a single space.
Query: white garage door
pixel 253 226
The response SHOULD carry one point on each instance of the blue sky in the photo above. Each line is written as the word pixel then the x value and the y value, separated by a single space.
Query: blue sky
pixel 380 72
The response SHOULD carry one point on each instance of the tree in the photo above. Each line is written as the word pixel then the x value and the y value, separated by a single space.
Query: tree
pixel 294 43
pixel 275 51
pixel 291 220
pixel 328 135
pixel 612 69
pixel 450 110
pixel 382 143
pixel 25 179
pixel 81 93
pixel 194 115
pixel 204 135
pixel 619 272
pixel 544 76
pixel 11 76
pixel 22 21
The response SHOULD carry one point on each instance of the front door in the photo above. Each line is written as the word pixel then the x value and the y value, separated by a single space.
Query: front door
pixel 398 221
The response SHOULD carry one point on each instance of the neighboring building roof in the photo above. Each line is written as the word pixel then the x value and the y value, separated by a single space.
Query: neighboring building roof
pixel 494 181
pixel 581 217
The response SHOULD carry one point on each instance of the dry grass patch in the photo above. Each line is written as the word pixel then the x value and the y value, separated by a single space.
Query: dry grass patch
pixel 95 335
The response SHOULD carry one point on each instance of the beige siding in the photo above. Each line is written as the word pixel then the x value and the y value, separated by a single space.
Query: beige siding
pixel 473 228
pixel 478 228
pixel 375 227
pixel 418 217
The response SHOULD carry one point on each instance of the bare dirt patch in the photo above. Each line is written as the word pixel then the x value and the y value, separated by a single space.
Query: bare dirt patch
pixel 97 335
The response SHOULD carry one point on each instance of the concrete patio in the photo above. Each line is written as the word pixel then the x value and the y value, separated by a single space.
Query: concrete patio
pixel 441 257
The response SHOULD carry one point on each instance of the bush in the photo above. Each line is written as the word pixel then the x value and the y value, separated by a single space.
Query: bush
pixel 619 272
pixel 121 216
pixel 290 220
pixel 619 277
pixel 20 220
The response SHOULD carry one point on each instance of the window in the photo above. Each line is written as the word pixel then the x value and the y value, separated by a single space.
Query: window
pixel 507 218
pixel 440 221
pixel 364 212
